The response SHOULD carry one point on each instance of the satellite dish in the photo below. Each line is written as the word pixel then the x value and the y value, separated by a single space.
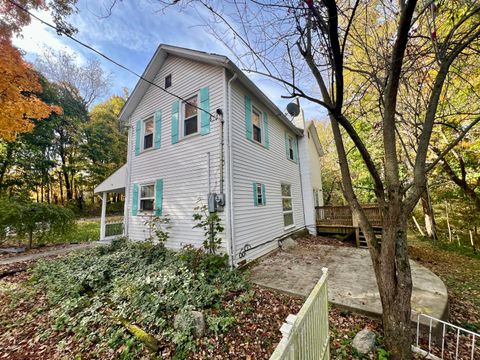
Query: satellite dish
pixel 293 109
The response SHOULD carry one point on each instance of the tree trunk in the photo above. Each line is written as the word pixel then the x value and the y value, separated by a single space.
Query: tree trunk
pixel 30 239
pixel 60 180
pixel 393 273
pixel 429 215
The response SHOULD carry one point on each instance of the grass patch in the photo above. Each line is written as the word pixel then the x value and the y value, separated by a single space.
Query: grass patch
pixel 83 231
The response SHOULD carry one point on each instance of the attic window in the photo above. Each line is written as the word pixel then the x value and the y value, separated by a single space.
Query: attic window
pixel 168 81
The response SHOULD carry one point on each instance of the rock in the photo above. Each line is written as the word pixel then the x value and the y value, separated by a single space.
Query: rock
pixel 287 243
pixel 185 319
pixel 364 341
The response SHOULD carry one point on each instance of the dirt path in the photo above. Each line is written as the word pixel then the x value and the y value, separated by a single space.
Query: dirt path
pixel 34 256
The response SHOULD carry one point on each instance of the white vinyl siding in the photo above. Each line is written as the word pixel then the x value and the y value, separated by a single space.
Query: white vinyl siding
pixel 254 225
pixel 184 165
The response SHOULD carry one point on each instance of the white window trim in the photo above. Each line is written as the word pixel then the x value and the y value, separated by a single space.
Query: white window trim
pixel 144 120
pixel 287 227
pixel 146 212
pixel 260 187
pixel 262 130
pixel 182 118
pixel 290 137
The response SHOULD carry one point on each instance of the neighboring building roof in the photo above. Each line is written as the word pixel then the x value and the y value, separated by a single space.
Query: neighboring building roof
pixel 213 59
pixel 115 182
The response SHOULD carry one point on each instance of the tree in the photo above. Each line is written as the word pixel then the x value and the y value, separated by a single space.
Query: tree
pixel 87 82
pixel 316 40
pixel 105 144
pixel 19 104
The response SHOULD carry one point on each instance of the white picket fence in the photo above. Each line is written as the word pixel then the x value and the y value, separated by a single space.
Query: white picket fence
pixel 305 335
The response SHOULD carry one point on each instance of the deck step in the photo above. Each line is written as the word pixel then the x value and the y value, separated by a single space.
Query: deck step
pixel 362 242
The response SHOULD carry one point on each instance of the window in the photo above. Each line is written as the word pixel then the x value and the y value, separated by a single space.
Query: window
pixel 168 81
pixel 257 125
pixel 259 194
pixel 148 133
pixel 291 151
pixel 190 116
pixel 287 205
pixel 147 197
pixel 315 197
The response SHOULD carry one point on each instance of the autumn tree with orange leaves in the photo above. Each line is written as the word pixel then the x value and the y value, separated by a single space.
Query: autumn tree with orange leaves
pixel 19 84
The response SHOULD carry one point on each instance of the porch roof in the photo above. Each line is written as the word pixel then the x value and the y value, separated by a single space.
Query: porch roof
pixel 115 182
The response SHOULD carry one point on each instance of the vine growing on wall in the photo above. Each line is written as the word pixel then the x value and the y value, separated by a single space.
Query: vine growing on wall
pixel 212 227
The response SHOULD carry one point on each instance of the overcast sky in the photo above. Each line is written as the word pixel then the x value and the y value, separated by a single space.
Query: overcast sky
pixel 131 34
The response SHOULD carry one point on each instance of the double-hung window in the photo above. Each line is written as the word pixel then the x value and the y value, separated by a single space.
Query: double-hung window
pixel 147 197
pixel 148 126
pixel 259 192
pixel 190 116
pixel 287 205
pixel 291 151
pixel 257 125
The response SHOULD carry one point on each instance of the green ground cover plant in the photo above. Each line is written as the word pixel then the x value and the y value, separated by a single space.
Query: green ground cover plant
pixel 96 293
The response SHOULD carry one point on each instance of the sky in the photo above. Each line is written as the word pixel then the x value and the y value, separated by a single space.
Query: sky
pixel 131 33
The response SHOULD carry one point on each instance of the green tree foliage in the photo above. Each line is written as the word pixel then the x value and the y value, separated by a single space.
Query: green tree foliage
pixel 33 220
pixel 105 144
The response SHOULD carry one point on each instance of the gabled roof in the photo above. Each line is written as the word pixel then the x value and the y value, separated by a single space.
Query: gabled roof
pixel 158 60
pixel 115 182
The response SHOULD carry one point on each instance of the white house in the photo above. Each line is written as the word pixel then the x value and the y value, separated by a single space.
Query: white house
pixel 198 126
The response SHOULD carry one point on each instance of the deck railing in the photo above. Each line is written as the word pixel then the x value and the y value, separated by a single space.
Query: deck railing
pixel 342 216
pixel 305 335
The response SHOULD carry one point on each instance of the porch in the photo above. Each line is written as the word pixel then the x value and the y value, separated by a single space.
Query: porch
pixel 339 220
pixel 111 226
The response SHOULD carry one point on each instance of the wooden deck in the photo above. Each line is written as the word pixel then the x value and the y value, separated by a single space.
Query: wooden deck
pixel 340 220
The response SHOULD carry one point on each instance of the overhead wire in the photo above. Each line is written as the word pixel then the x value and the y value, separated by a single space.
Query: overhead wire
pixel 106 57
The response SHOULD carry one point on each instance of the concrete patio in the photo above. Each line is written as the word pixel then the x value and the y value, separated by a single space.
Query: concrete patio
pixel 351 283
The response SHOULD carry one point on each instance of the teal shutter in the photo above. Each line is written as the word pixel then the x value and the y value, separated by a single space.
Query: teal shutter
pixel 248 117
pixel 158 129
pixel 138 132
pixel 264 195
pixel 175 108
pixel 255 197
pixel 135 200
pixel 159 197
pixel 295 149
pixel 287 148
pixel 205 112
pixel 265 129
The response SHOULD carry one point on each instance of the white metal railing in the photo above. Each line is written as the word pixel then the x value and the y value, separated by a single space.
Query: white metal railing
pixel 449 347
pixel 305 335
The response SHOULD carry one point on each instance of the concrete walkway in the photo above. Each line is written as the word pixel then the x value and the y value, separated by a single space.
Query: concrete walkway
pixel 351 283
pixel 62 251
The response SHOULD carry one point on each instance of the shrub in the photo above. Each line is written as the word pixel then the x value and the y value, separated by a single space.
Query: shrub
pixel 141 282
pixel 212 228
pixel 34 220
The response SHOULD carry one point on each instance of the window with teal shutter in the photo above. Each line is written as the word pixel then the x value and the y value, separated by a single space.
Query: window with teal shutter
pixel 138 131
pixel 259 194
pixel 159 197
pixel 175 108
pixel 265 130
pixel 158 129
pixel 295 149
pixel 248 117
pixel 135 200
pixel 204 115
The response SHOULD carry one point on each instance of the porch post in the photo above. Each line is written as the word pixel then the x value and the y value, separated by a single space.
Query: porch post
pixel 103 216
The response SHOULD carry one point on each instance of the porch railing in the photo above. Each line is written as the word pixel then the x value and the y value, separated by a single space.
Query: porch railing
pixel 114 227
pixel 305 335
pixel 342 216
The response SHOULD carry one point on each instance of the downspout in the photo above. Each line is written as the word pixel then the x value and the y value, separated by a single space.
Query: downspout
pixel 230 169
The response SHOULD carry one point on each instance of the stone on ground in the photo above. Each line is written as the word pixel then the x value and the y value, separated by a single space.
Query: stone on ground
pixel 182 321
pixel 287 243
pixel 364 341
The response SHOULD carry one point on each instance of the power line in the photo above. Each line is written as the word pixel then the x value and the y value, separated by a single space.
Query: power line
pixel 62 32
